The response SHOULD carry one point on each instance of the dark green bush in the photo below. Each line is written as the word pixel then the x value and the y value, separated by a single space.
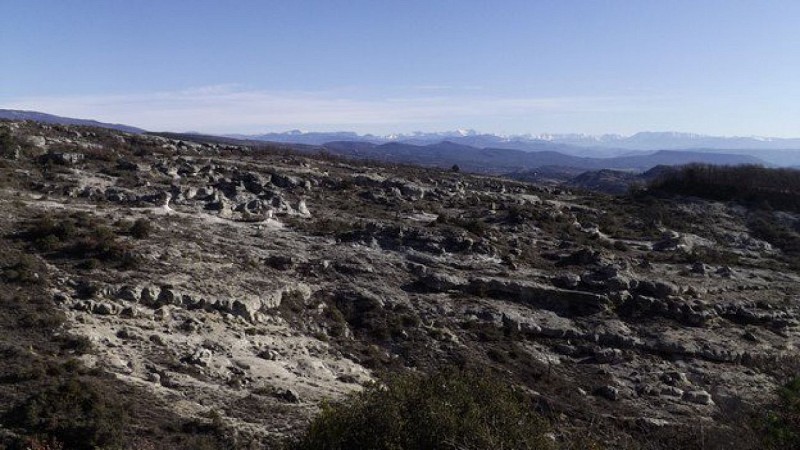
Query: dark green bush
pixel 782 422
pixel 41 318
pixel 8 143
pixel 764 226
pixel 6 139
pixel 80 345
pixel 621 246
pixel 48 232
pixel 476 227
pixel 448 410
pixel 23 271
pixel 81 236
pixel 89 264
pixel 518 215
pixel 141 228
pixel 756 186
pixel 103 244
pixel 75 413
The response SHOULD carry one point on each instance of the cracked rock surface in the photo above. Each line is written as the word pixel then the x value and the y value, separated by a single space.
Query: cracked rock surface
pixel 285 279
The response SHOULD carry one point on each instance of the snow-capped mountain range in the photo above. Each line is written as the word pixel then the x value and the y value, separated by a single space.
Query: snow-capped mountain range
pixel 645 141
pixel 778 151
pixel 775 151
pixel 649 140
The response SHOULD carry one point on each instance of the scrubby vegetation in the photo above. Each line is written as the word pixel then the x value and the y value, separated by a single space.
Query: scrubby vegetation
pixel 447 410
pixel 141 228
pixel 781 424
pixel 48 399
pixel 764 226
pixel 76 413
pixel 23 270
pixel 751 185
pixel 762 190
pixel 84 238
pixel 7 143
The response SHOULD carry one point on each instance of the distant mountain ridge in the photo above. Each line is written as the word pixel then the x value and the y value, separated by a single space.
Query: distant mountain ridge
pixel 671 140
pixel 463 137
pixel 574 143
pixel 502 160
pixel 14 114
pixel 645 140
pixel 777 151
pixel 309 138
pixel 490 153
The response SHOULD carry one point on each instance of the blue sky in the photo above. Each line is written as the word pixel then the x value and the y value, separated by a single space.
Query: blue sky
pixel 724 67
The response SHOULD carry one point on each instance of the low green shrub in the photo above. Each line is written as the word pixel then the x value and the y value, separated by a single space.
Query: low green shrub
pixel 755 186
pixel 8 143
pixel 75 413
pixel 141 228
pixel 781 423
pixel 83 237
pixel 80 345
pixel 23 271
pixel 448 410
pixel 765 226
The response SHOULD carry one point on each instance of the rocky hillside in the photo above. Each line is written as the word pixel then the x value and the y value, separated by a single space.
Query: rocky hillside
pixel 224 292
pixel 18 115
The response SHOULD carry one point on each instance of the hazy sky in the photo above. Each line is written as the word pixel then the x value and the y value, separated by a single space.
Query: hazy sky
pixel 718 67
